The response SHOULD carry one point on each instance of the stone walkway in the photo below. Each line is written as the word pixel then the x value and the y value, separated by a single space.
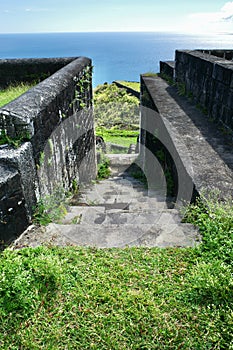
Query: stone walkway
pixel 117 212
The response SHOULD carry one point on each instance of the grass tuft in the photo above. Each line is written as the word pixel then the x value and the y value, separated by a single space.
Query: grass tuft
pixel 134 85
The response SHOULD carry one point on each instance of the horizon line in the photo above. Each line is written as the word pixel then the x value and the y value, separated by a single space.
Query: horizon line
pixel 120 31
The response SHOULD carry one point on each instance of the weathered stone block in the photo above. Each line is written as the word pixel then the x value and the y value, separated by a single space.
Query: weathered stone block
pixel 22 161
pixel 222 73
pixel 13 215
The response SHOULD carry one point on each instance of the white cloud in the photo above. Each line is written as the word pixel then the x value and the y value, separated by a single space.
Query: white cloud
pixel 212 22
pixel 227 11
pixel 36 10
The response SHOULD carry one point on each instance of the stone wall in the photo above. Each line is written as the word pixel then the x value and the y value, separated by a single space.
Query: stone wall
pixel 157 151
pixel 13 71
pixel 55 119
pixel 226 54
pixel 207 76
pixel 167 69
pixel 191 150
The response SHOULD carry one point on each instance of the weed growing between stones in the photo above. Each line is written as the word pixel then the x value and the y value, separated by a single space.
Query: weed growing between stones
pixel 103 168
pixel 181 89
pixel 14 142
pixel 51 208
pixel 168 79
pixel 81 85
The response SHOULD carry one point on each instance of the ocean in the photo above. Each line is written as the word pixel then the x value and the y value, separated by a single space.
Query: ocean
pixel 115 56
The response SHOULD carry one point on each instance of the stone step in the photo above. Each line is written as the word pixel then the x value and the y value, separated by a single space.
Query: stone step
pixel 121 190
pixel 117 212
pixel 122 159
pixel 100 216
pixel 172 235
pixel 123 203
pixel 120 163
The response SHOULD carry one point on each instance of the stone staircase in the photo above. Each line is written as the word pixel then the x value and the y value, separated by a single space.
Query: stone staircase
pixel 116 212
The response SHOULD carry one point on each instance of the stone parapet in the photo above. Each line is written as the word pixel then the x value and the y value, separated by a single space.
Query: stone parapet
pixel 56 119
pixel 207 76
pixel 167 68
pixel 178 136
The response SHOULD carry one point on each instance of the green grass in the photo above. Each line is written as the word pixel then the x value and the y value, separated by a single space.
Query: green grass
pixel 12 93
pixel 133 298
pixel 215 221
pixel 131 84
pixel 6 96
pixel 52 208
pixel 150 74
pixel 120 137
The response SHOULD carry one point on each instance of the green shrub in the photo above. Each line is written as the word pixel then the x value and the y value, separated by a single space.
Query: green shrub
pixel 115 107
pixel 103 168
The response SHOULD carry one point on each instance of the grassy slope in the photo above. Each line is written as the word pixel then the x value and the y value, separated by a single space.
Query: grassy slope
pixel 134 298
pixel 116 115
pixel 12 92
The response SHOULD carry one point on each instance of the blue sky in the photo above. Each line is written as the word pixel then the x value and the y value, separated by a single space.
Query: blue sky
pixel 197 16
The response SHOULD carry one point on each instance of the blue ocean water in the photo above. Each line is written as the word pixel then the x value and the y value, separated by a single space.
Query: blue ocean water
pixel 116 56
